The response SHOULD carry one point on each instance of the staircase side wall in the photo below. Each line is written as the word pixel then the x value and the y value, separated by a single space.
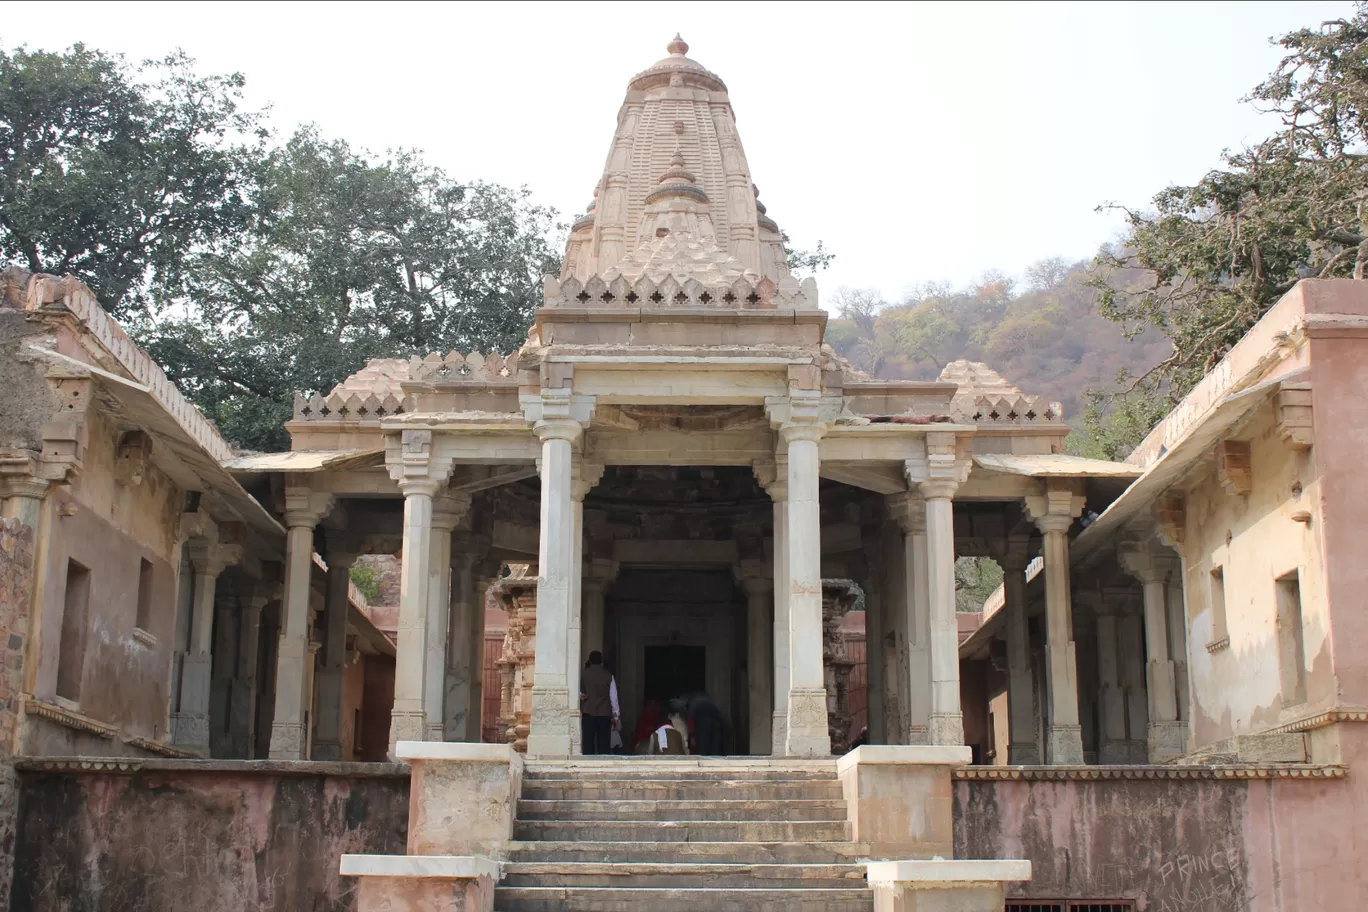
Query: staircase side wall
pixel 212 837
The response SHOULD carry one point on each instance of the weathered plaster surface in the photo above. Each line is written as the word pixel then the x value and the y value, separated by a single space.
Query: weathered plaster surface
pixel 1339 378
pixel 28 403
pixel 1254 539
pixel 1195 845
pixel 233 837
pixel 124 678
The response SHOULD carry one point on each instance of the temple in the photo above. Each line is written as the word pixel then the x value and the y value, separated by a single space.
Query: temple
pixel 674 470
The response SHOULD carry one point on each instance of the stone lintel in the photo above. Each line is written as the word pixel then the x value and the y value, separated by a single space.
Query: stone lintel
pixel 447 866
pixel 456 751
pixel 906 755
pixel 942 871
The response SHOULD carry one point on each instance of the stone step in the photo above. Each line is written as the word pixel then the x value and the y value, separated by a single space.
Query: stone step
pixel 657 771
pixel 684 876
pixel 629 899
pixel 813 853
pixel 675 790
pixel 634 810
pixel 682 831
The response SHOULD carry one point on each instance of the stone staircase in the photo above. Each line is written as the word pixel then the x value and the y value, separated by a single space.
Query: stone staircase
pixel 669 835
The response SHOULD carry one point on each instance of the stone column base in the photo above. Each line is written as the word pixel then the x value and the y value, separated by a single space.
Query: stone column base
pixel 947 728
pixel 1064 745
pixel 190 731
pixel 1167 740
pixel 549 734
pixel 1024 754
pixel 779 733
pixel 808 734
pixel 422 883
pixel 462 797
pixel 899 799
pixel 327 750
pixel 407 725
pixel 943 886
pixel 287 741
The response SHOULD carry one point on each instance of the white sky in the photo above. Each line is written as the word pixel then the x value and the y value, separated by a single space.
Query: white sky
pixel 919 141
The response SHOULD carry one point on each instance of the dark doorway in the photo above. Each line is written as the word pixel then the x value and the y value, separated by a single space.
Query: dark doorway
pixel 674 670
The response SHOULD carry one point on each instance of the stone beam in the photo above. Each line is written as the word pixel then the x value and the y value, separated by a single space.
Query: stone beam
pixel 881 479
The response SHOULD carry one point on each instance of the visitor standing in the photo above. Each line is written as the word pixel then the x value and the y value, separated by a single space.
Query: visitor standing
pixel 599 713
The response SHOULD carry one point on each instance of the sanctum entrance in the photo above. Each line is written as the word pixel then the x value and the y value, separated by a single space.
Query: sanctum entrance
pixel 674 670
pixel 673 631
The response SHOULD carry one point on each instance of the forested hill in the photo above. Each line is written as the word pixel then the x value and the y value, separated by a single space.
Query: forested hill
pixel 1042 334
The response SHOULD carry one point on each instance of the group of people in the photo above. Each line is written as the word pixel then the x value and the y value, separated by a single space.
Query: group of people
pixel 688 724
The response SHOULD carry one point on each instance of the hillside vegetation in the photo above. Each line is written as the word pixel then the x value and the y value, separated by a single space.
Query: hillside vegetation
pixel 1043 334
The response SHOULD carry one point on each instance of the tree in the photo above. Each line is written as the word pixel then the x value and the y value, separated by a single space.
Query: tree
pixel 348 258
pixel 114 174
pixel 1210 259
pixel 809 261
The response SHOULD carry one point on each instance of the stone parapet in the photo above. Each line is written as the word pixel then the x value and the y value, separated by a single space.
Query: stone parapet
pixel 48 294
pixel 940 885
pixel 422 883
pixel 899 798
pixel 1165 771
pixel 463 797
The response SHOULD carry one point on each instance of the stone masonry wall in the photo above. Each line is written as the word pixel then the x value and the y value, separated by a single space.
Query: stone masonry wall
pixel 228 836
pixel 16 585
pixel 1180 844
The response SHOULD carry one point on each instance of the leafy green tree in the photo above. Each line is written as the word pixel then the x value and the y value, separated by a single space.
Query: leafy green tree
pixel 348 258
pixel 116 174
pixel 1210 259
pixel 807 261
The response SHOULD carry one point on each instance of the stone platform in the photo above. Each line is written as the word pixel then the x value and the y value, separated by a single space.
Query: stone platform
pixel 737 834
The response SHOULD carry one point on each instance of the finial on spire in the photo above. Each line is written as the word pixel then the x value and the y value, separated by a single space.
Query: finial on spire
pixel 678 47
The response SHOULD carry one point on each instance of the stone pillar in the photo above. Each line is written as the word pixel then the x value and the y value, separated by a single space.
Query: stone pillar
pixel 1130 652
pixel 759 651
pixel 23 497
pixel 874 657
pixel 421 472
pixel 242 699
pixel 1166 735
pixel 408 717
pixel 1053 513
pixel 447 511
pixel 1177 630
pixel 909 512
pixel 1112 737
pixel 190 726
pixel 327 741
pixel 808 734
pixel 303 510
pixel 599 574
pixel 947 720
pixel 1022 750
pixel 774 479
pixel 550 733
pixel 483 579
pixel 584 477
pixel 459 653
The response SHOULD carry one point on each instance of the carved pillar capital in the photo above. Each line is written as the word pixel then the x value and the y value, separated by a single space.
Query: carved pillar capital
pixel 772 475
pixel 583 476
pixel 1056 508
pixel 448 510
pixel 305 507
pixel 908 510
pixel 414 460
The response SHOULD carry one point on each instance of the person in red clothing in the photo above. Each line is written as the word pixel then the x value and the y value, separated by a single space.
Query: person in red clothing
pixel 651 718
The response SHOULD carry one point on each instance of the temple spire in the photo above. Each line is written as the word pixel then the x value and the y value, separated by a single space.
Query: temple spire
pixel 676 196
